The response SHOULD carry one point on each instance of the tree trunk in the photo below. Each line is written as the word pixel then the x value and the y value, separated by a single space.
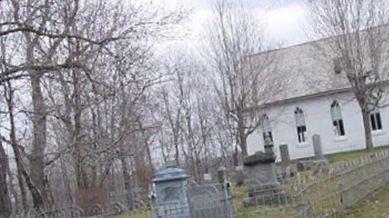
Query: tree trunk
pixel 127 179
pixel 242 138
pixel 78 155
pixel 65 177
pixel 18 158
pixel 81 175
pixel 366 125
pixel 36 194
pixel 241 133
pixel 13 193
pixel 235 156
pixel 39 137
pixel 5 202
pixel 177 153
pixel 243 145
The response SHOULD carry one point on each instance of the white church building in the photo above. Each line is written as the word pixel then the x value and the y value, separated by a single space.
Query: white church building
pixel 316 100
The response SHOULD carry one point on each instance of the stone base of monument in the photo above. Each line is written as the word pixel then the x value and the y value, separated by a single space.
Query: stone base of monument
pixel 263 187
pixel 269 189
pixel 266 195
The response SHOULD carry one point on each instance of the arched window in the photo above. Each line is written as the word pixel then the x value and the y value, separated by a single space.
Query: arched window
pixel 337 120
pixel 300 125
pixel 266 128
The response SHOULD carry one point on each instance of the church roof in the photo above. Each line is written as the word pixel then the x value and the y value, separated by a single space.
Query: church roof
pixel 305 71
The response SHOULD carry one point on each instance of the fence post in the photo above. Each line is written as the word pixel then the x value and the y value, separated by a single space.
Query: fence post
pixel 302 207
pixel 341 194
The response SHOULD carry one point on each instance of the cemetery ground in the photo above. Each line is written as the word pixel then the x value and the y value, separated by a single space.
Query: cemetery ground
pixel 375 205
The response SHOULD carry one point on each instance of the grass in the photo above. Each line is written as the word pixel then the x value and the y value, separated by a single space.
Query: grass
pixel 141 213
pixel 258 211
pixel 375 206
pixel 136 215
pixel 342 156
pixel 347 155
pixel 239 194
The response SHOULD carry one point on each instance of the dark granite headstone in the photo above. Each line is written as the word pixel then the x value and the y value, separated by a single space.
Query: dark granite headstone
pixel 239 176
pixel 221 174
pixel 262 178
pixel 285 158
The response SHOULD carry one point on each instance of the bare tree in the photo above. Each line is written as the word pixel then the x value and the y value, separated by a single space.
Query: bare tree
pixel 9 97
pixel 68 51
pixel 242 81
pixel 187 113
pixel 5 201
pixel 173 117
pixel 358 45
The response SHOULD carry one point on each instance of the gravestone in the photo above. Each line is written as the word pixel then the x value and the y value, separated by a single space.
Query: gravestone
pixel 175 197
pixel 262 178
pixel 285 161
pixel 285 158
pixel 239 176
pixel 319 163
pixel 171 198
pixel 316 141
pixel 260 168
pixel 207 177
pixel 221 174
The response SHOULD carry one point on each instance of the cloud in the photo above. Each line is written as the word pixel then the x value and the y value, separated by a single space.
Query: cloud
pixel 189 4
pixel 282 20
pixel 284 24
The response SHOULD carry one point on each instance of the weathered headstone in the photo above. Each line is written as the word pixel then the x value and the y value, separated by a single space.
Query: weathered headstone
pixel 320 163
pixel 262 179
pixel 285 161
pixel 239 176
pixel 316 141
pixel 260 168
pixel 221 174
pixel 175 197
pixel 285 158
pixel 171 198
pixel 207 177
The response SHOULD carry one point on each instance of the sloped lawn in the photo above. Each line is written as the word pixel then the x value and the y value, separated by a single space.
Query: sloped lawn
pixel 375 206
pixel 352 154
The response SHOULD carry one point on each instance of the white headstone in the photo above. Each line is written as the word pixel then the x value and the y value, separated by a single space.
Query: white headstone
pixel 207 177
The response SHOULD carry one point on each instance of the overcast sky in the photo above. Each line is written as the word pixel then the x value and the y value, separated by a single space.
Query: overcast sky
pixel 284 20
